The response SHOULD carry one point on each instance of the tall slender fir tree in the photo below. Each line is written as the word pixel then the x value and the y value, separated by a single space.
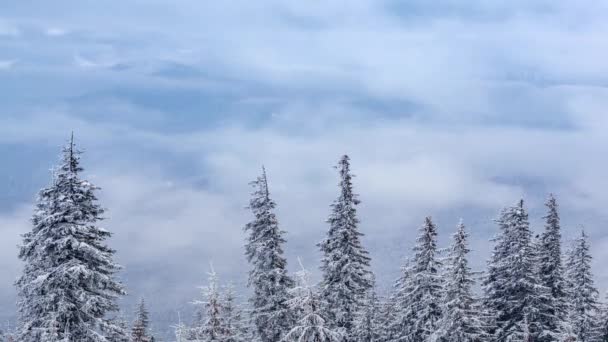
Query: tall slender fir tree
pixel 461 320
pixel 551 274
pixel 347 277
pixel 420 293
pixel 68 285
pixel 271 316
pixel 582 294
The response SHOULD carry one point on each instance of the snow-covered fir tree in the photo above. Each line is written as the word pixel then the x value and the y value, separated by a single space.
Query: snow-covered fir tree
pixel 232 317
pixel 512 289
pixel 420 307
pixel 551 273
pixel 311 325
pixel 368 324
pixel 139 331
pixel 347 277
pixel 419 292
pixel 118 331
pixel 461 321
pixel 582 294
pixel 181 330
pixel 387 318
pixel 213 326
pixel 601 330
pixel 268 278
pixel 68 285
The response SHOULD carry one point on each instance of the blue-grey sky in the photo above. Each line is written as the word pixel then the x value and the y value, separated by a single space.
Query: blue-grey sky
pixel 447 108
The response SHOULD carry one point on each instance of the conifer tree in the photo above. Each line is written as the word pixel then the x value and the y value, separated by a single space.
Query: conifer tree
pixel 139 331
pixel 513 291
pixel 551 273
pixel 271 317
pixel 461 320
pixel 583 296
pixel 68 285
pixel 232 317
pixel 312 326
pixel 368 322
pixel 601 331
pixel 347 277
pixel 419 291
pixel 213 327
pixel 118 331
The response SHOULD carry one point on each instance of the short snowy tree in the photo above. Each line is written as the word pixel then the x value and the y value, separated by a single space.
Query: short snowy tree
pixel 368 323
pixel 180 330
pixel 420 290
pixel 601 330
pixel 268 278
pixel 461 320
pixel 387 318
pixel 213 325
pixel 139 331
pixel 582 294
pixel 68 285
pixel 118 331
pixel 347 277
pixel 312 326
pixel 232 317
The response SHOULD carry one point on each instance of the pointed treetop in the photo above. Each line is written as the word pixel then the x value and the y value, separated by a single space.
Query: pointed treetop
pixel 265 182
pixel 70 158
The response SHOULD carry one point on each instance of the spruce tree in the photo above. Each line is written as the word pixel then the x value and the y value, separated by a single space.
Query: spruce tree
pixel 601 330
pixel 420 292
pixel 139 331
pixel 551 273
pixel 513 292
pixel 347 277
pixel 213 327
pixel 311 326
pixel 68 285
pixel 270 314
pixel 118 331
pixel 582 294
pixel 461 320
pixel 368 327
pixel 232 317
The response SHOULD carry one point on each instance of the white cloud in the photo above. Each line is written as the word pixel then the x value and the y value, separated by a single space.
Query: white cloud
pixel 7 64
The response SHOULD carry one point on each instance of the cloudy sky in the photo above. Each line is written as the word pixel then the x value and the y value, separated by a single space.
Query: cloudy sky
pixel 447 108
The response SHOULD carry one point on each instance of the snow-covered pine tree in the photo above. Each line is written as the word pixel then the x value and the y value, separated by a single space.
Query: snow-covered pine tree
pixel 118 331
pixel 582 294
pixel 68 280
pixel 460 321
pixel 270 314
pixel 420 292
pixel 368 321
pixel 312 326
pixel 387 318
pixel 347 277
pixel 139 331
pixel 601 330
pixel 512 289
pixel 213 325
pixel 232 317
pixel 551 274
pixel 180 330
